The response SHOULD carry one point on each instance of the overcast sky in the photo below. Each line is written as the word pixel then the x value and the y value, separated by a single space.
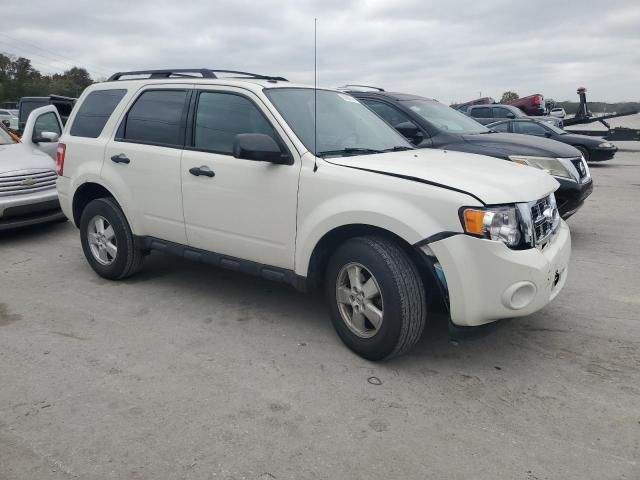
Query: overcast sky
pixel 447 49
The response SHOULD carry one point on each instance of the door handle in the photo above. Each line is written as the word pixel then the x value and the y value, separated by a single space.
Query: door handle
pixel 120 158
pixel 203 170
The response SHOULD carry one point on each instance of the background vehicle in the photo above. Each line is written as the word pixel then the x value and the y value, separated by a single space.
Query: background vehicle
pixel 427 123
pixel 10 117
pixel 558 112
pixel 477 101
pixel 311 188
pixel 64 105
pixel 593 149
pixel 28 173
pixel 492 113
pixel 533 105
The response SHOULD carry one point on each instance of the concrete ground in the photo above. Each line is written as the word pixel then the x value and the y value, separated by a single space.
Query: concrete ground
pixel 187 372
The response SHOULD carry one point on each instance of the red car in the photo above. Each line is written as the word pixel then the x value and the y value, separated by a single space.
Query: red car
pixel 532 105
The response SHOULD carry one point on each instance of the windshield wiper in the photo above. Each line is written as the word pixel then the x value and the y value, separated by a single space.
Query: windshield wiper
pixel 398 148
pixel 349 150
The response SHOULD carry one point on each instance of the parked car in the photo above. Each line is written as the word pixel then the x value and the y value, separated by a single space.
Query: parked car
pixel 64 105
pixel 558 112
pixel 492 113
pixel 593 149
pixel 427 123
pixel 9 119
pixel 311 188
pixel 533 105
pixel 28 173
pixel 477 101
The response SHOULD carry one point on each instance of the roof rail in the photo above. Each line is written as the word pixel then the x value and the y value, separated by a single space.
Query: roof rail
pixel 350 86
pixel 178 73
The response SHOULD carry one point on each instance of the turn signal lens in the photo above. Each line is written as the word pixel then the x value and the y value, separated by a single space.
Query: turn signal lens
pixel 474 221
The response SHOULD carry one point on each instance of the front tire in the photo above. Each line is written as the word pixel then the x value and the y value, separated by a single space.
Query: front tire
pixel 107 240
pixel 376 297
pixel 583 151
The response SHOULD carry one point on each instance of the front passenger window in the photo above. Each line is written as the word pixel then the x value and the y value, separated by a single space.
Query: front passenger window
pixel 221 116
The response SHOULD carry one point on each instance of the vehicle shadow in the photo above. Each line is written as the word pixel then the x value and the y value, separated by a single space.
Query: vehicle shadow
pixel 33 231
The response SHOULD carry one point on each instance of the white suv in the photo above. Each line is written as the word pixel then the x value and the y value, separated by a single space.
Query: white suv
pixel 311 188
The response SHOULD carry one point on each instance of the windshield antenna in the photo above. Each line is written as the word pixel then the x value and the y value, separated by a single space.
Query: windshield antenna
pixel 315 94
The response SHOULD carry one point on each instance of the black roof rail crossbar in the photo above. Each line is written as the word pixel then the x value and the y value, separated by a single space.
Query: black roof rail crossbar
pixel 347 87
pixel 187 73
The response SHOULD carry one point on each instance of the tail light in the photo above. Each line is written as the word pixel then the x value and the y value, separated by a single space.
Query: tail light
pixel 60 153
pixel 537 100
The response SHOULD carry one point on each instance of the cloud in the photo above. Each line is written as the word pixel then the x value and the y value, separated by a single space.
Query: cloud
pixel 449 50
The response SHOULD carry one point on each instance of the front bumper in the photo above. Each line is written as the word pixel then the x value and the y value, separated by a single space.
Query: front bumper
pixel 487 281
pixel 29 209
pixel 601 154
pixel 571 195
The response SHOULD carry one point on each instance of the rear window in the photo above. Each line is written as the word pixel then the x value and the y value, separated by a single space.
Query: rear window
pixel 94 112
pixel 156 118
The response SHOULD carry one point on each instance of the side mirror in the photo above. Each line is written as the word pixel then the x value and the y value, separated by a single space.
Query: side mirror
pixel 259 147
pixel 511 115
pixel 45 137
pixel 408 129
pixel 6 123
pixel 547 134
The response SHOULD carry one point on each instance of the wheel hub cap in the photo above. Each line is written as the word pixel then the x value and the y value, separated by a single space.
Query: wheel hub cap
pixel 359 300
pixel 102 240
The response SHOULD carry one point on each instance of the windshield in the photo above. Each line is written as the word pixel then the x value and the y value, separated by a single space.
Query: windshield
pixel 344 125
pixel 445 118
pixel 5 138
pixel 554 129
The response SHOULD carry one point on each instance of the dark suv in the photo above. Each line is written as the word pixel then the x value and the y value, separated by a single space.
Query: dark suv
pixel 427 123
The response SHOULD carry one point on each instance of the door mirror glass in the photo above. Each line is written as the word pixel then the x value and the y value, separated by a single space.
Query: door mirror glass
pixel 410 131
pixel 259 147
pixel 46 137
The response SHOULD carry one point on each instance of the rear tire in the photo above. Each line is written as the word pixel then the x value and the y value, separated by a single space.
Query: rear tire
pixel 376 297
pixel 107 240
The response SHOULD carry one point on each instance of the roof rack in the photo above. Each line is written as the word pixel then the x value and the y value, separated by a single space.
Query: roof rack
pixel 178 73
pixel 350 86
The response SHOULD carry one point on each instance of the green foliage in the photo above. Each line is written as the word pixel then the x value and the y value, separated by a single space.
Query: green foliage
pixel 509 96
pixel 18 78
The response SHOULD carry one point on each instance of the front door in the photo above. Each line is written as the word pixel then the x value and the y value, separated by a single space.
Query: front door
pixel 245 209
pixel 142 161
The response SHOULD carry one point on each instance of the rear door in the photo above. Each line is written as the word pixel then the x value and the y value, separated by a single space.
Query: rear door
pixel 244 209
pixel 142 160
pixel 43 129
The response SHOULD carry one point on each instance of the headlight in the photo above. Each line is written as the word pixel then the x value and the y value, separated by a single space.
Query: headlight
pixel 494 223
pixel 605 145
pixel 552 166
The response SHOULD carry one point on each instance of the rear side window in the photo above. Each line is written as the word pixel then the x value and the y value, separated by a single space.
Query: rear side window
pixel 94 112
pixel 499 112
pixel 482 112
pixel 156 118
pixel 221 116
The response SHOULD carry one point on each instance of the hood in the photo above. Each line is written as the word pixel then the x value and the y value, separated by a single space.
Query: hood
pixel 490 180
pixel 20 156
pixel 505 144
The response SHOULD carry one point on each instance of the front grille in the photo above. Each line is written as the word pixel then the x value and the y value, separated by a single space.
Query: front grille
pixel 545 219
pixel 34 181
pixel 581 167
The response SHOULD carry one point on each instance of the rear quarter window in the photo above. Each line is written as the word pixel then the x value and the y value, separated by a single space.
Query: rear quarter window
pixel 95 111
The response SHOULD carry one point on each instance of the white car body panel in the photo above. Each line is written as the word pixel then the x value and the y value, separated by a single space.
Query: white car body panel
pixel 30 127
pixel 276 214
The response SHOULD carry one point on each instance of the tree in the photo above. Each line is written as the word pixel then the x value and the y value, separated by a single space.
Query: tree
pixel 18 78
pixel 509 96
